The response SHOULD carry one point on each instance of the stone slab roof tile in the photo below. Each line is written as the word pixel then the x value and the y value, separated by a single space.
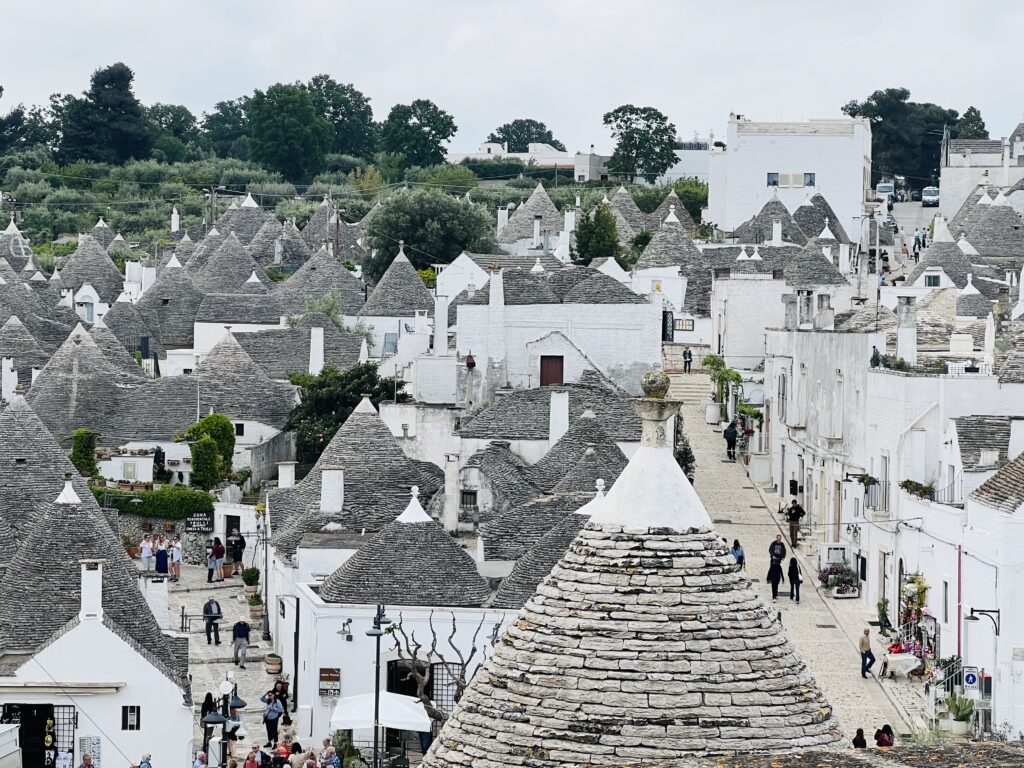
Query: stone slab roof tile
pixel 520 223
pixel 400 292
pixel 979 433
pixel 1004 491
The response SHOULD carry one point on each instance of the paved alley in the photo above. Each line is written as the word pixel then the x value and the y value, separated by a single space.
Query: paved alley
pixel 823 630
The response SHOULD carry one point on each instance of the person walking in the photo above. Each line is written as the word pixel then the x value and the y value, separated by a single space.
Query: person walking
pixel 730 434
pixel 739 554
pixel 207 707
pixel 859 742
pixel 884 737
pixel 777 550
pixel 236 546
pixel 867 658
pixel 212 614
pixel 924 238
pixel 793 514
pixel 281 692
pixel 687 359
pixel 917 238
pixel 794 579
pixel 146 552
pixel 271 716
pixel 176 558
pixel 774 577
pixel 162 555
pixel 240 641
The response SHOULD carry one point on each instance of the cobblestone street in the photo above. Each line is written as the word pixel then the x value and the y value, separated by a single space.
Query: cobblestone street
pixel 823 630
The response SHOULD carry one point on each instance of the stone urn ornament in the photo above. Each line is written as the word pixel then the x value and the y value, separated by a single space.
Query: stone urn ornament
pixel 655 384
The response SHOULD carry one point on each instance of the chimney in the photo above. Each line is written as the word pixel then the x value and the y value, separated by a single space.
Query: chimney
pixel 92 590
pixel 502 217
pixel 546 242
pixel 1016 446
pixel 805 309
pixel 316 350
pixel 175 220
pixel 154 589
pixel 825 318
pixel 35 373
pixel 496 317
pixel 332 489
pixel 789 309
pixel 577 201
pixel 286 474
pixel 278 251
pixel 470 290
pixel 1006 163
pixel 536 230
pixel 776 232
pixel 440 325
pixel 558 423
pixel 906 329
pixel 570 220
pixel 451 492
pixel 8 378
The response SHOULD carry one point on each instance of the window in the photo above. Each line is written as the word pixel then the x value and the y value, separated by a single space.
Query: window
pixel 239 429
pixel 945 602
pixel 931 281
pixel 186 371
pixel 809 180
pixel 795 179
pixel 581 177
pixel 467 500
pixel 551 370
pixel 773 179
pixel 684 324
pixel 131 718
pixel 130 470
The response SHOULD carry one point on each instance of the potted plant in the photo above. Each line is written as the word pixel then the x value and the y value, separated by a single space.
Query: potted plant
pixel 130 546
pixel 960 709
pixel 841 579
pixel 272 663
pixel 255 607
pixel 169 527
pixel 251 579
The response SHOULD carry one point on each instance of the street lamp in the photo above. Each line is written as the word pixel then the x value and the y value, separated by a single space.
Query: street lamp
pixel 992 613
pixel 376 632
pixel 263 540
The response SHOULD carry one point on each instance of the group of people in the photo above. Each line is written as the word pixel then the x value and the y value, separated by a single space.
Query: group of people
pixel 884 737
pixel 776 556
pixel 217 553
pixel 161 555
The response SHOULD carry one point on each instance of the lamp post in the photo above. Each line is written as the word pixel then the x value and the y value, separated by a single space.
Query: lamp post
pixel 263 540
pixel 376 632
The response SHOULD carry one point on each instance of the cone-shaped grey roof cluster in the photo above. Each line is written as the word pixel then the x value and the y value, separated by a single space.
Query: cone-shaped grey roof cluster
pixel 17 343
pixel 759 228
pixel 665 207
pixel 261 247
pixel 816 215
pixel 281 352
pixel 584 431
pixel 520 223
pixel 322 275
pixel 49 325
pixel 14 248
pixel 998 232
pixel 102 234
pixel 315 234
pixel 170 306
pixel 624 203
pixel 183 251
pixel 229 268
pixel 400 292
pixel 204 249
pixel 647 586
pixel 125 322
pixel 89 263
pixel 412 561
pixel 670 246
pixel 244 221
pixel 377 479
pixel 114 351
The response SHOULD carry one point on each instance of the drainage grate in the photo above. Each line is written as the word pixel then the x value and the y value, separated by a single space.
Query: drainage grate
pixel 721 521
pixel 826 626
pixel 758 506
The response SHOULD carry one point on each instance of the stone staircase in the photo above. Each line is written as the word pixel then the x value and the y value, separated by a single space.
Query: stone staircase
pixel 693 388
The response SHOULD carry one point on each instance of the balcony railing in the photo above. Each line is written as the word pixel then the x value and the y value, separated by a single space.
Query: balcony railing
pixel 876 496
pixel 952 494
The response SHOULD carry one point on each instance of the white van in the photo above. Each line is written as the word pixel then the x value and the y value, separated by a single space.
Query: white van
pixel 930 197
pixel 884 190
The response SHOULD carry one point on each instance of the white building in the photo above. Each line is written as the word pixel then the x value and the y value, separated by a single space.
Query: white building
pixel 585 166
pixel 833 156
pixel 965 163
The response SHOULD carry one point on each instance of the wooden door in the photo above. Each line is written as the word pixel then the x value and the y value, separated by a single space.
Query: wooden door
pixel 551 370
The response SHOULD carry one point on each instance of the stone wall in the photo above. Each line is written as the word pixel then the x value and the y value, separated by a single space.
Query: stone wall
pixel 264 456
pixel 193 550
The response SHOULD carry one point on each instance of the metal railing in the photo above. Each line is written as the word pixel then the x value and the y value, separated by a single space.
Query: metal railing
pixel 945 682
pixel 876 496
pixel 952 494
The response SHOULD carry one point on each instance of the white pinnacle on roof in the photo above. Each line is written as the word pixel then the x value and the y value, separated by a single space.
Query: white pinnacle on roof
pixel 984 199
pixel 101 224
pixel 537 268
pixel 965 246
pixel 1000 199
pixel 12 228
pixel 233 206
pixel 185 238
pixel 756 255
pixel 67 494
pixel 249 202
pixel 806 201
pixel 117 237
pixel 365 406
pixel 826 234
pixel 743 254
pixel 595 503
pixel 30 265
pixel 172 262
pixel 414 512
pixel 652 491
pixel 55 277
pixel 604 199
pixel 213 232
pixel 671 218
pixel 940 231
pixel 38 277
pixel 123 297
pixel 969 289
pixel 253 278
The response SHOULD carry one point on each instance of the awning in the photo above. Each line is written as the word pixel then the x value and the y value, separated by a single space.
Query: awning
pixel 405 713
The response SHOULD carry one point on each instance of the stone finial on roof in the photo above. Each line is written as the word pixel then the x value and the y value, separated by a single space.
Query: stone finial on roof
pixel 101 224
pixel 12 228
pixel 537 268
pixel 964 245
pixel 969 289
pixel 173 263
pixel 253 278
pixel 67 494
pixel 365 406
pixel 671 215
pixel 756 255
pixel 248 202
pixel 414 512
pixel 826 234
pixel 742 255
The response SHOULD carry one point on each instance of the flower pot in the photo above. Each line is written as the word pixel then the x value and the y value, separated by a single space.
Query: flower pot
pixel 712 413
pixel 255 612
pixel 253 590
pixel 133 552
pixel 272 664
pixel 844 595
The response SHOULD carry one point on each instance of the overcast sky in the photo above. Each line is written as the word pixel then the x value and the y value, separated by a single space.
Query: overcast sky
pixel 564 62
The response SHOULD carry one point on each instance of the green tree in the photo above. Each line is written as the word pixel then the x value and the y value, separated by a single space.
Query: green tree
pixel 222 430
pixel 226 129
pixel 327 400
pixel 368 183
pixel 12 127
pixel 287 134
pixel 519 134
pixel 645 141
pixel 453 179
pixel 418 131
pixel 905 135
pixel 435 226
pixel 596 237
pixel 174 119
pixel 107 124
pixel 206 463
pixel 970 125
pixel 349 112
pixel 83 452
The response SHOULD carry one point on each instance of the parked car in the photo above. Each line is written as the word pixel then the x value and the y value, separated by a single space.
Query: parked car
pixel 915 195
pixel 930 197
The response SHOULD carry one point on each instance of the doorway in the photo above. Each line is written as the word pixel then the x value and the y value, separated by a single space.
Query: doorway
pixel 37 733
pixel 231 522
pixel 551 370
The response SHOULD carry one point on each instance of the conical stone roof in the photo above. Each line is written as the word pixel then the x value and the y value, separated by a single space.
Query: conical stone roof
pixel 759 228
pixel 17 343
pixel 228 269
pixel 90 264
pixel 14 247
pixel 294 251
pixel 244 221
pixel 554 465
pixel 184 250
pixel 815 217
pixel 103 234
pixel 624 203
pixel 520 223
pixel 204 250
pixel 670 246
pixel 125 322
pixel 261 247
pixel 412 561
pixel 322 275
pixel 114 351
pixel 314 234
pixel 665 207
pixel 400 292
pixel 645 645
pixel 170 305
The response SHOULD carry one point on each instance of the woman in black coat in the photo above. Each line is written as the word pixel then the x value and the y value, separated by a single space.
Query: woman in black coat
pixel 774 577
pixel 794 579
